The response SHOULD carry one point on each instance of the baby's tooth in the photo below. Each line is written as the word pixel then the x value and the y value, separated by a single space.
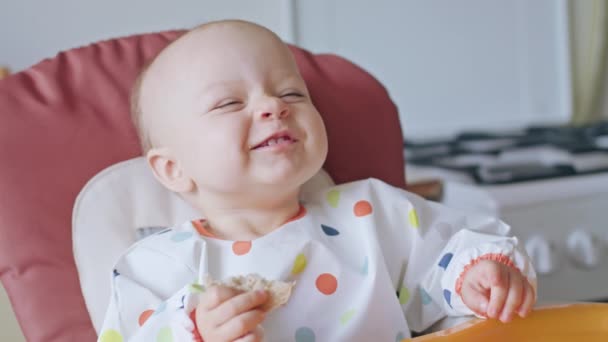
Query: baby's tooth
pixel 271 142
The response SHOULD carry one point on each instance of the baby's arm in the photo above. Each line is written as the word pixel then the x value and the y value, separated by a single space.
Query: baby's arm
pixel 154 298
pixel 434 246
pixel 470 253
pixel 489 275
pixel 132 317
pixel 153 295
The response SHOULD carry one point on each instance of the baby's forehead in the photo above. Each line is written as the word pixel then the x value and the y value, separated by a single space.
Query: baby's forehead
pixel 230 38
pixel 213 48
pixel 205 50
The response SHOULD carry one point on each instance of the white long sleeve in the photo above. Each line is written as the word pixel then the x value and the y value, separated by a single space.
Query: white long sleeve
pixel 350 250
pixel 147 306
pixel 440 243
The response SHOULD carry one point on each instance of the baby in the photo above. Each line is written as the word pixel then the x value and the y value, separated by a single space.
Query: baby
pixel 226 121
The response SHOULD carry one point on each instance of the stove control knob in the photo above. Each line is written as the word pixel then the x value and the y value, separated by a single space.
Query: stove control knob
pixel 584 248
pixel 542 253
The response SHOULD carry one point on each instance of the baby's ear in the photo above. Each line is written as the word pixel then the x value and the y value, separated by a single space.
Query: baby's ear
pixel 168 171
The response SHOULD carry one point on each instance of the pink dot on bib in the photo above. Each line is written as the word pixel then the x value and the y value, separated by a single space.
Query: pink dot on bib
pixel 241 247
pixel 327 284
pixel 144 317
pixel 301 213
pixel 362 208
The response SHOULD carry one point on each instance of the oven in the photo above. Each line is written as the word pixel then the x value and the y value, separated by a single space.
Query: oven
pixel 550 183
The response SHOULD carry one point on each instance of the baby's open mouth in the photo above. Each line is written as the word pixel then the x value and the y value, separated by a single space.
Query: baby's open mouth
pixel 276 139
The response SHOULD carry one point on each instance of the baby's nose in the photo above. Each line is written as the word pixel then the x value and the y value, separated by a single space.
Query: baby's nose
pixel 276 114
pixel 273 108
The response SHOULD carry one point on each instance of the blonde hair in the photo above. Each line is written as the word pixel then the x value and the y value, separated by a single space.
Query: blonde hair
pixel 137 112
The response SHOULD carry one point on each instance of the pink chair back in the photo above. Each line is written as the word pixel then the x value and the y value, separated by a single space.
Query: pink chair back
pixel 66 118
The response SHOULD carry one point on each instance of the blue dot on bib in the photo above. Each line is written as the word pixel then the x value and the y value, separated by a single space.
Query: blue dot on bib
pixel 365 267
pixel 181 236
pixel 445 260
pixel 329 231
pixel 426 298
pixel 305 334
pixel 448 296
pixel 160 308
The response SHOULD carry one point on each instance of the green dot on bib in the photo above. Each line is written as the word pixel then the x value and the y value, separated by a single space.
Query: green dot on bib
pixel 413 218
pixel 404 295
pixel 164 335
pixel 365 267
pixel 299 264
pixel 347 316
pixel 333 197
pixel 110 335
pixel 196 288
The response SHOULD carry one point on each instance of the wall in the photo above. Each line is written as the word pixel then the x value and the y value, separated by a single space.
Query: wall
pixel 448 65
pixel 453 65
pixel 31 30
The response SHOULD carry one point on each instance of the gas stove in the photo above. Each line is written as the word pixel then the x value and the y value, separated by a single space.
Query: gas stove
pixel 533 153
pixel 550 183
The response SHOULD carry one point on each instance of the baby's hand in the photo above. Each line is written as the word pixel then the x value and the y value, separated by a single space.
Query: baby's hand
pixel 225 314
pixel 495 290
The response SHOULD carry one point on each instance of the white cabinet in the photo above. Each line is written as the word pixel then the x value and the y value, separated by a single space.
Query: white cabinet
pixel 453 65
pixel 9 328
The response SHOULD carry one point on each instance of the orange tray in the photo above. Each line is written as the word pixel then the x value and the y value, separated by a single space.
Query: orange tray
pixel 572 322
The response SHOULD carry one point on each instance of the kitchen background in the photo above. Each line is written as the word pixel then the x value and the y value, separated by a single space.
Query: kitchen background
pixel 470 78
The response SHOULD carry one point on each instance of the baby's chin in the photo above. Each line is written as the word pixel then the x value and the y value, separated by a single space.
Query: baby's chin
pixel 287 182
pixel 287 179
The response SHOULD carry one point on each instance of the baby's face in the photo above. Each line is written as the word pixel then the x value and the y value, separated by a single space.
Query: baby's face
pixel 230 105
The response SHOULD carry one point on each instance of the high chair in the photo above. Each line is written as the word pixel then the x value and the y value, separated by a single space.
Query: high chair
pixel 67 118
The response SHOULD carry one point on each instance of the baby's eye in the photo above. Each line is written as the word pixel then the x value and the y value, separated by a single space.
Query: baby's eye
pixel 293 95
pixel 228 103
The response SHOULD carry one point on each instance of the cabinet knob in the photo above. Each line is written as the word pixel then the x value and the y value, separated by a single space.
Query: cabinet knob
pixel 584 248
pixel 542 254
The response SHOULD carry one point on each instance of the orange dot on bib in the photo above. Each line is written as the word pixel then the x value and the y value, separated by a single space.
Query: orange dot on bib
pixel 241 247
pixel 327 283
pixel 144 317
pixel 301 213
pixel 362 208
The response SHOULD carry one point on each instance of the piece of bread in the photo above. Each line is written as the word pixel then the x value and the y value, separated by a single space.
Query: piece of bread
pixel 279 291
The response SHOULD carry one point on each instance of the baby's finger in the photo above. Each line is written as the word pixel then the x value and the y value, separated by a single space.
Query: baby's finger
pixel 237 305
pixel 241 325
pixel 528 302
pixel 514 297
pixel 499 280
pixel 475 299
pixel 214 296
pixel 255 336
